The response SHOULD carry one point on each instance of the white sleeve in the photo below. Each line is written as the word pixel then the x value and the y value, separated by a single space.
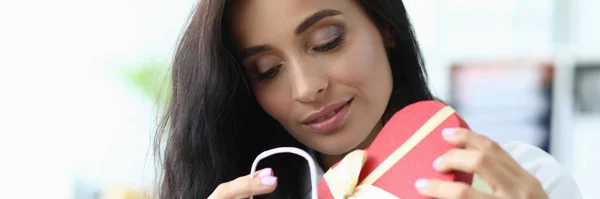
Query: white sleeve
pixel 557 181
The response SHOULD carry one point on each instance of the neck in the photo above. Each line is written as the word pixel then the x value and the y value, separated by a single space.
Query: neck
pixel 326 161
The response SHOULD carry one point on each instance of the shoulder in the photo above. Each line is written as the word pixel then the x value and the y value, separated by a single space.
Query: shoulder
pixel 556 180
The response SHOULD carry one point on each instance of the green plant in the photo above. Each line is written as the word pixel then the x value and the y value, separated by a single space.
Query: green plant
pixel 152 79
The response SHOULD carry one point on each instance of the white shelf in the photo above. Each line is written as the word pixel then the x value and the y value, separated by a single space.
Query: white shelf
pixel 563 32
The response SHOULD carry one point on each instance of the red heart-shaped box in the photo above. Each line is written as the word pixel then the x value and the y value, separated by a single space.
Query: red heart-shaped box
pixel 413 135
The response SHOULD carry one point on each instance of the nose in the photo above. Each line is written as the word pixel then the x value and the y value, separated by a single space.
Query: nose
pixel 308 83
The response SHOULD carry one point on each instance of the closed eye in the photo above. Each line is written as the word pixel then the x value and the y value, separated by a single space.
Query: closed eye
pixel 269 73
pixel 331 45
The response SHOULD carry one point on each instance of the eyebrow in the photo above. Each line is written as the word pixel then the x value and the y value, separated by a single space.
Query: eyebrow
pixel 249 52
pixel 307 23
pixel 314 18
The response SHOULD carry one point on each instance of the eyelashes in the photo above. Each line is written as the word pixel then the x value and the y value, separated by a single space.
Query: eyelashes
pixel 331 45
pixel 269 73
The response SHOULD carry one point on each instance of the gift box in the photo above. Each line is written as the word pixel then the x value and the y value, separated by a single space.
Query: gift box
pixel 403 152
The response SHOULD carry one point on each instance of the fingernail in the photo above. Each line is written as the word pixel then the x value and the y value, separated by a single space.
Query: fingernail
pixel 265 172
pixel 268 180
pixel 421 183
pixel 448 132
pixel 436 162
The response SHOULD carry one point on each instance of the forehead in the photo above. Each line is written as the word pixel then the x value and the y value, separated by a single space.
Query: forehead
pixel 258 22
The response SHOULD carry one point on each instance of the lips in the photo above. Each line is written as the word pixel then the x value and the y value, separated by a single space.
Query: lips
pixel 325 112
pixel 329 115
pixel 328 118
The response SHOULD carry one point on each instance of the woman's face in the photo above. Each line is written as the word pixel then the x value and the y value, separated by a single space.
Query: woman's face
pixel 319 67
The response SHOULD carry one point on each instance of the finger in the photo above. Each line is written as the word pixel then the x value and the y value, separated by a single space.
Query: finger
pixel 494 164
pixel 468 139
pixel 262 182
pixel 448 190
pixel 473 161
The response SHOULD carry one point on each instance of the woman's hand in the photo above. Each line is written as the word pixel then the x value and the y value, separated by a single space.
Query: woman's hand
pixel 486 158
pixel 262 182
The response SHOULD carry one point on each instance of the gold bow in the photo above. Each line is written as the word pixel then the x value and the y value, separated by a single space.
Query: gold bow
pixel 343 179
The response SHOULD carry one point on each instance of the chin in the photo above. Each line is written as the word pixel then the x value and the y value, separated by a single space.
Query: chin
pixel 335 151
pixel 339 144
pixel 335 147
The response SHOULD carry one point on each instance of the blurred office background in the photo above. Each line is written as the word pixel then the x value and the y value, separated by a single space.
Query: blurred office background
pixel 79 81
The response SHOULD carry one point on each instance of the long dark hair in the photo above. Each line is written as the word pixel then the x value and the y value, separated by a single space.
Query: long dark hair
pixel 214 127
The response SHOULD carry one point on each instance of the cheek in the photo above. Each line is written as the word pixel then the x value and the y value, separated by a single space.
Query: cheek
pixel 364 66
pixel 275 102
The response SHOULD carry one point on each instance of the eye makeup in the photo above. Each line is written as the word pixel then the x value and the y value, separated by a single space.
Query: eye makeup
pixel 327 38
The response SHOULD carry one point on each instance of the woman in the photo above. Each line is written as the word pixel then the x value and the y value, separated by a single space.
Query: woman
pixel 321 75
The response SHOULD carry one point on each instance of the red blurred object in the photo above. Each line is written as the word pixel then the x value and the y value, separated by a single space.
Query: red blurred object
pixel 408 144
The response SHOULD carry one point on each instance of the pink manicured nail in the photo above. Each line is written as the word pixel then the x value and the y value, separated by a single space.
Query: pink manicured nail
pixel 448 132
pixel 268 180
pixel 265 172
pixel 436 162
pixel 421 183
